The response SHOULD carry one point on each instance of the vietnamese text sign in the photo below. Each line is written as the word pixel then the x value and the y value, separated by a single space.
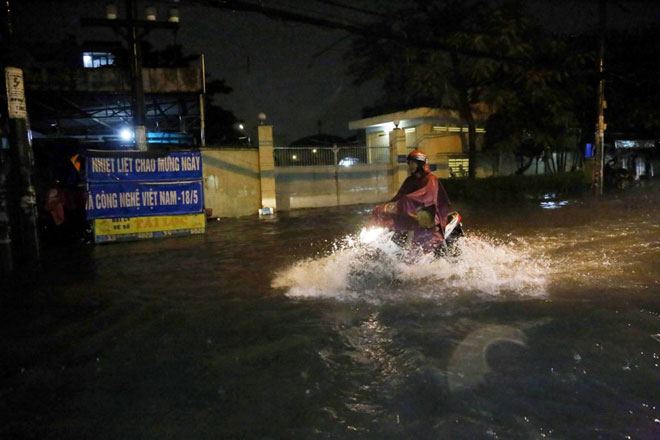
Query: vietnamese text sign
pixel 141 225
pixel 175 166
pixel 134 199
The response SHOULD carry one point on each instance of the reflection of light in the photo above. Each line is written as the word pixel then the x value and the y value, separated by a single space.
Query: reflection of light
pixel 468 365
pixel 549 202
pixel 348 161
pixel 553 205
pixel 371 234
pixel 126 134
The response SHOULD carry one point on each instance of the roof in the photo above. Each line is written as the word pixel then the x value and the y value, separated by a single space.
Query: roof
pixel 413 117
pixel 318 140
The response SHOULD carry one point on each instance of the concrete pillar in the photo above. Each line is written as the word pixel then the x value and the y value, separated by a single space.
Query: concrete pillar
pixel 267 167
pixel 398 154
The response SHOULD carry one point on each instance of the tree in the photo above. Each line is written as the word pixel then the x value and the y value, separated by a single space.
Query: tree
pixel 521 72
pixel 632 64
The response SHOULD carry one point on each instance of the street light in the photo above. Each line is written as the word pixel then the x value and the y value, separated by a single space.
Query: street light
pixel 126 134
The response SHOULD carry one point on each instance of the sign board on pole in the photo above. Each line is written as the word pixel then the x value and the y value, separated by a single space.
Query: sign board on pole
pixel 15 93
pixel 132 195
pixel 131 228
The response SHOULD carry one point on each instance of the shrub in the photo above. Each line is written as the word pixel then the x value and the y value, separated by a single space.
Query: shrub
pixel 515 188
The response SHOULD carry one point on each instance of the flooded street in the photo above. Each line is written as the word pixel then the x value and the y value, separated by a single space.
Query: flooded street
pixel 547 325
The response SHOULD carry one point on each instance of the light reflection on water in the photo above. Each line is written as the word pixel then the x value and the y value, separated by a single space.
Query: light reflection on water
pixel 552 357
pixel 546 326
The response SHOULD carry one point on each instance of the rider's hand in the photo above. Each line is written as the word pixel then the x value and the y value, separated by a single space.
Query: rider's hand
pixel 389 208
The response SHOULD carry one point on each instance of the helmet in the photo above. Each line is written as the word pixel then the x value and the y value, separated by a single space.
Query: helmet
pixel 417 155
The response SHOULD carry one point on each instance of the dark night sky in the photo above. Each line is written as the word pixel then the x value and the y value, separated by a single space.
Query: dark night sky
pixel 293 72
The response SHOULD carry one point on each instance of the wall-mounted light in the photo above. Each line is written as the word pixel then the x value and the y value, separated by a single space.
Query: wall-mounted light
pixel 388 127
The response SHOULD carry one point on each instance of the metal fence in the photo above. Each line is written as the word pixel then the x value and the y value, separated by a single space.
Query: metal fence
pixel 339 155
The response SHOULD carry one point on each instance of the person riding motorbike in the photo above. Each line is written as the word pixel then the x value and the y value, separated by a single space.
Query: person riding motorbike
pixel 418 212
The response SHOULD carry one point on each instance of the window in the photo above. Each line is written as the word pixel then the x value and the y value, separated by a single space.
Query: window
pixel 92 60
pixel 459 167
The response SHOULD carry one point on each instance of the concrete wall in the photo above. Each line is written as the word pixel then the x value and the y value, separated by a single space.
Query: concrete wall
pixel 231 181
pixel 365 184
pixel 240 181
pixel 326 185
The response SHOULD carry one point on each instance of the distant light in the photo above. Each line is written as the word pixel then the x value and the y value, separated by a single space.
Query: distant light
pixel 174 15
pixel 241 127
pixel 314 150
pixel 294 157
pixel 111 11
pixel 348 161
pixel 87 61
pixel 589 151
pixel 150 12
pixel 126 134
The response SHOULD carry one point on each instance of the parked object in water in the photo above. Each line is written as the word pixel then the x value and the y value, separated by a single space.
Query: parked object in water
pixel 615 177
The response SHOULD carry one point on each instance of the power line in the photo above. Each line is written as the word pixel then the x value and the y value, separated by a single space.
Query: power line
pixel 363 30
pixel 352 8
pixel 294 5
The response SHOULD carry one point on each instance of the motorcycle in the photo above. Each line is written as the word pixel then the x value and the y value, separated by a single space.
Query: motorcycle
pixel 377 265
pixel 424 235
pixel 448 246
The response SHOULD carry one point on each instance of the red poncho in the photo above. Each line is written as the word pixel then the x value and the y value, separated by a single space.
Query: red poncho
pixel 420 191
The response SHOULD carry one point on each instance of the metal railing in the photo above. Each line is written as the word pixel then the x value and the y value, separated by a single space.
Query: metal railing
pixel 339 155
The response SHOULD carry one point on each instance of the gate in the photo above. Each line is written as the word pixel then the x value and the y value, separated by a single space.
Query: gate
pixel 316 176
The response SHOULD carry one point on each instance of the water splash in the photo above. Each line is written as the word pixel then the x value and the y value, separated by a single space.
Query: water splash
pixel 368 266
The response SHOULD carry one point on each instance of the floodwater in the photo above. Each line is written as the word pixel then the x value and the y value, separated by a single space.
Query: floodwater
pixel 546 326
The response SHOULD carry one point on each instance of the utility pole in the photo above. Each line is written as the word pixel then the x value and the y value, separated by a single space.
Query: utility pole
pixel 135 29
pixel 135 49
pixel 19 234
pixel 599 144
pixel 202 105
